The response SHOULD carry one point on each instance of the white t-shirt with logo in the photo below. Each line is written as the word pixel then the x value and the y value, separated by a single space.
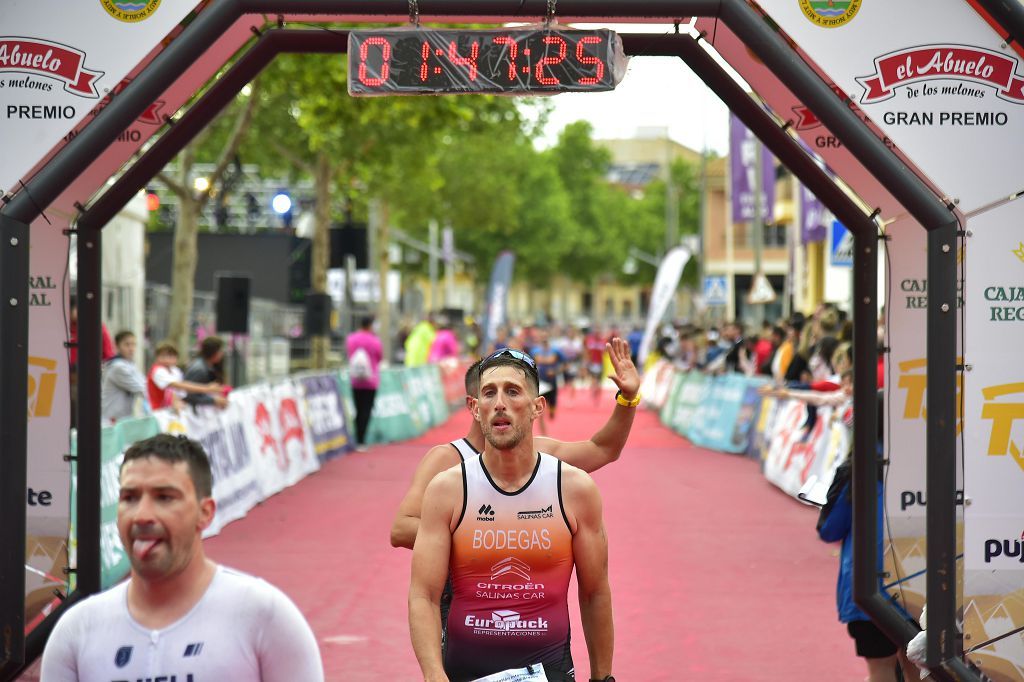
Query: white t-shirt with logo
pixel 242 629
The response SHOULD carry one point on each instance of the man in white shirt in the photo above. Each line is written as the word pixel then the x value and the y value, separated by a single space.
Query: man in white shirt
pixel 180 616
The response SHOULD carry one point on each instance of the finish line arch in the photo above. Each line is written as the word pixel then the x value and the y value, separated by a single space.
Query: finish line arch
pixel 937 217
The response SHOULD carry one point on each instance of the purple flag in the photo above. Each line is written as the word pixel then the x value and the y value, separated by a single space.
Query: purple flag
pixel 814 217
pixel 742 155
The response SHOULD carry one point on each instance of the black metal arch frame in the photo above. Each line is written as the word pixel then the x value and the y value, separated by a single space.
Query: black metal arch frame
pixel 944 646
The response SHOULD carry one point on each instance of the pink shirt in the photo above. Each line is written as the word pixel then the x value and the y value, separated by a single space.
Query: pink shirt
pixel 445 345
pixel 371 344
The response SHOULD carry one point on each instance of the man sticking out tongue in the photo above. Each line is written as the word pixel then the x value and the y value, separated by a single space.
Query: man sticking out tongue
pixel 180 615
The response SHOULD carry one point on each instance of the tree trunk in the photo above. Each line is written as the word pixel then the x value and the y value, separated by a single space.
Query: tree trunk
pixel 185 257
pixel 321 252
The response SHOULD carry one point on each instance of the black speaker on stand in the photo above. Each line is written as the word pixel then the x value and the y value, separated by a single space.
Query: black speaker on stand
pixel 233 314
pixel 318 314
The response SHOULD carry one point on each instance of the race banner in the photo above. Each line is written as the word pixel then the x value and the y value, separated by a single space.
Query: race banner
pixel 59 59
pixel 689 391
pixel 743 153
pixel 262 432
pixel 326 416
pixel 949 91
pixel 993 430
pixel 295 437
pixel 722 421
pixel 497 297
pixel 49 419
pixel 665 282
pixel 657 384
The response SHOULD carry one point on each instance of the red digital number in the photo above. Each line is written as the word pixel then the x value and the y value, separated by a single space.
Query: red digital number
pixel 425 53
pixel 582 58
pixel 539 69
pixel 470 61
pixel 513 52
pixel 385 69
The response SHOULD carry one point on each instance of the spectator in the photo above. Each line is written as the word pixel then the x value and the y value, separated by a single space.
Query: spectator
pixel 765 347
pixel 635 338
pixel 445 344
pixel 835 523
pixel 549 365
pixel 364 355
pixel 417 344
pixel 206 370
pixel 122 381
pixel 166 385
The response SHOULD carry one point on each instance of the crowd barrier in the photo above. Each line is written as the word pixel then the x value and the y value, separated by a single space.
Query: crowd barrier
pixel 728 413
pixel 270 437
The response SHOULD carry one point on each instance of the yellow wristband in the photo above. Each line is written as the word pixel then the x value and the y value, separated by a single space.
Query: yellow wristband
pixel 627 403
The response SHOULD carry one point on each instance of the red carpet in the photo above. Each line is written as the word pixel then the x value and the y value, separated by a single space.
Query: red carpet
pixel 715 574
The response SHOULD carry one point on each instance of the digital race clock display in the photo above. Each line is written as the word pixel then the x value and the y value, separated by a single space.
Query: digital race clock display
pixel 410 61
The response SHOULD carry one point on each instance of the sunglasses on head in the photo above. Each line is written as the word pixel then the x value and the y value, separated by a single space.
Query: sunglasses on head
pixel 512 352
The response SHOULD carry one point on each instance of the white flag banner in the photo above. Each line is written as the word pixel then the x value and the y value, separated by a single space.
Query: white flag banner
pixel 59 59
pixel 665 283
pixel 937 80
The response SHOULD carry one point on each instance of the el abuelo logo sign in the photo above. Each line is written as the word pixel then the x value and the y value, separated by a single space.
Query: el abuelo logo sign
pixel 36 57
pixel 971 66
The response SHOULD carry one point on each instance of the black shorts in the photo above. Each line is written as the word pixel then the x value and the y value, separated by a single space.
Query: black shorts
pixel 551 396
pixel 871 642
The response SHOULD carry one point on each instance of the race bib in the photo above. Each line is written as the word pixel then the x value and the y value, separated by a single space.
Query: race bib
pixel 531 673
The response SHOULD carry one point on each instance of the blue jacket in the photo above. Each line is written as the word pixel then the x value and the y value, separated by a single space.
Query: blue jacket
pixel 836 523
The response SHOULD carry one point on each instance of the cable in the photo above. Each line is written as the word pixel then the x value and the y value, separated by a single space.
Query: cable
pixel 887 441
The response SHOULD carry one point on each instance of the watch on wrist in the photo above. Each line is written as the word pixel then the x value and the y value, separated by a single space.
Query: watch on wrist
pixel 627 403
pixel 607 678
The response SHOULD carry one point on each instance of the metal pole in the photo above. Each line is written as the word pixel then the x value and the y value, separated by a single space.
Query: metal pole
pixel 89 418
pixel 757 232
pixel 14 273
pixel 1010 14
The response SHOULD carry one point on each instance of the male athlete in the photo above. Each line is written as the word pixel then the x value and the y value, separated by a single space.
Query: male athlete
pixel 180 616
pixel 510 525
pixel 590 455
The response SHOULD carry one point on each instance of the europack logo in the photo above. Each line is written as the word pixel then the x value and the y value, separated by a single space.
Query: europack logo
pixel 130 12
pixel 507 622
pixel 964 63
pixel 1003 414
pixel 51 60
pixel 830 13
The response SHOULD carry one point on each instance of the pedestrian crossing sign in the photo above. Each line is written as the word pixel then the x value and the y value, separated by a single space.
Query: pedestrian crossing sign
pixel 716 290
pixel 761 290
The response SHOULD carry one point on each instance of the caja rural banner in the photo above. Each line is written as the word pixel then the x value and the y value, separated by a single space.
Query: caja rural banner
pixel 59 59
pixel 326 415
pixel 993 430
pixel 49 420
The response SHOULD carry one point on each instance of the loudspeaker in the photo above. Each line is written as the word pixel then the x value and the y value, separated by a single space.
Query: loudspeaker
pixel 233 304
pixel 318 314
pixel 349 239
